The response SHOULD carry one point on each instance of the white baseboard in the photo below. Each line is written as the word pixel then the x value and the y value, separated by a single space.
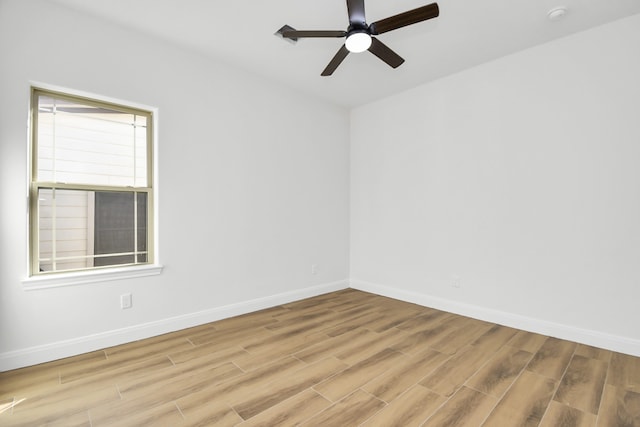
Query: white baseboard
pixel 571 333
pixel 61 349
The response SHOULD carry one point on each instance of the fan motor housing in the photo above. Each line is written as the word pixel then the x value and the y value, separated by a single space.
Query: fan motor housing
pixel 358 28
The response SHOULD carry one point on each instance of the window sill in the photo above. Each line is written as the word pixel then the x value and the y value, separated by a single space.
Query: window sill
pixel 84 277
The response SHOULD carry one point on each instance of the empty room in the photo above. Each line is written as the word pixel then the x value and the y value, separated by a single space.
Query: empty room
pixel 320 213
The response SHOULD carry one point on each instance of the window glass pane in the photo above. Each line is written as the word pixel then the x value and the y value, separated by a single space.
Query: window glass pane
pixel 85 144
pixel 64 240
pixel 120 226
pixel 83 229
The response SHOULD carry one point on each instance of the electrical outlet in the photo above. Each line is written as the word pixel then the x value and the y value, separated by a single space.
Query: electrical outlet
pixel 314 268
pixel 125 301
pixel 455 281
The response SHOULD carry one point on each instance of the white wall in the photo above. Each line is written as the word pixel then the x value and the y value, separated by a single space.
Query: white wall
pixel 522 178
pixel 253 186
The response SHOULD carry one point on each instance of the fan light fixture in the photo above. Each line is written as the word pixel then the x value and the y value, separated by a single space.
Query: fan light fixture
pixel 361 36
pixel 358 42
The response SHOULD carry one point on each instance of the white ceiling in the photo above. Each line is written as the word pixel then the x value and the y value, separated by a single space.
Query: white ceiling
pixel 467 33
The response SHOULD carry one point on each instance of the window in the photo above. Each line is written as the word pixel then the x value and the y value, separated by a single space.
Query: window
pixel 91 192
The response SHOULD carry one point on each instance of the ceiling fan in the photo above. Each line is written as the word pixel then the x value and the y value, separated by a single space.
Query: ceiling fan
pixel 359 34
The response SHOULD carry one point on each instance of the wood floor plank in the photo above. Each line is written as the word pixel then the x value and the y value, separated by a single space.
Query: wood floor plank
pixel 525 403
pixel 71 361
pixel 6 411
pixel 314 321
pixel 241 336
pixel 329 347
pixel 400 378
pixel 67 400
pixel 28 381
pixel 122 360
pixel 129 371
pixel 410 409
pixel 80 419
pixel 341 318
pixel 279 346
pixel 624 372
pixel 422 339
pixel 559 415
pixel 593 352
pixel 107 412
pixel 252 320
pixel 468 322
pixel 217 414
pixel 349 342
pixel 147 396
pixel 350 307
pixel 391 319
pixel 582 384
pixel 452 374
pixel 285 388
pixel 213 353
pixel 527 341
pixel 620 408
pixel 500 372
pixel 137 350
pixel 553 358
pixel 94 367
pixel 292 341
pixel 288 318
pixel 467 408
pixel 193 391
pixel 123 356
pixel 233 390
pixel 350 411
pixel 451 342
pixel 166 414
pixel 6 404
pixel 424 321
pixel 180 385
pixel 45 372
pixel 360 321
pixel 39 377
pixel 358 375
pixel 495 337
pixel 350 304
pixel 290 412
pixel 355 352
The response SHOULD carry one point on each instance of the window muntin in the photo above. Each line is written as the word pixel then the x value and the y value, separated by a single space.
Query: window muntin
pixel 91 186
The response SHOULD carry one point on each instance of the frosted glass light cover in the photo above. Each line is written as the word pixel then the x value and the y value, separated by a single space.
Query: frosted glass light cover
pixel 358 42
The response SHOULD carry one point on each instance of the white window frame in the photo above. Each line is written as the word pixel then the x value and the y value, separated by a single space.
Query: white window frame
pixel 36 280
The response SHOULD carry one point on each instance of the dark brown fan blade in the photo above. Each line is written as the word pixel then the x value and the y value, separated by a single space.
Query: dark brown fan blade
pixel 337 60
pixel 295 34
pixel 383 52
pixel 356 12
pixel 407 18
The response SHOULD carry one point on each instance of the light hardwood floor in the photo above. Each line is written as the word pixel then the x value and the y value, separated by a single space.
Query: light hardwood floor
pixel 346 358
